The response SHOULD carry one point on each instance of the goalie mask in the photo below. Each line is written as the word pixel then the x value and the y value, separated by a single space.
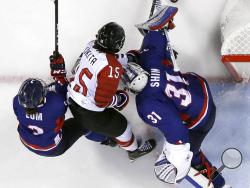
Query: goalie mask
pixel 135 78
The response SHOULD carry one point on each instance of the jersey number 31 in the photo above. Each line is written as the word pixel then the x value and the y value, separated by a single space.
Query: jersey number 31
pixel 182 94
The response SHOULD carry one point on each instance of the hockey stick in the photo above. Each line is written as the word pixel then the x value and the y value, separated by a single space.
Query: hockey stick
pixel 152 8
pixel 56 27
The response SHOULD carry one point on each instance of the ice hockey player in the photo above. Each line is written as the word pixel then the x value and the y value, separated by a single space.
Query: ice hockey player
pixel 40 111
pixel 179 105
pixel 94 96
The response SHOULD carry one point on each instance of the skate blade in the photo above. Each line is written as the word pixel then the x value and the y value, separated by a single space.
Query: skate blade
pixel 227 186
pixel 133 160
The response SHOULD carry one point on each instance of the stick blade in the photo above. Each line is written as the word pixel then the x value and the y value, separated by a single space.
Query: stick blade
pixel 199 181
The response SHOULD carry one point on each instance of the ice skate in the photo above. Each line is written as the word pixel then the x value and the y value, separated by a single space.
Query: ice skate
pixel 205 168
pixel 109 142
pixel 144 149
pixel 158 20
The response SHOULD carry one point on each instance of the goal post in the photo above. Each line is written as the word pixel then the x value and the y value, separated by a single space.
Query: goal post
pixel 235 35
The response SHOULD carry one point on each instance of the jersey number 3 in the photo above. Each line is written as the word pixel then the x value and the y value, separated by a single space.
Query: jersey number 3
pixel 35 130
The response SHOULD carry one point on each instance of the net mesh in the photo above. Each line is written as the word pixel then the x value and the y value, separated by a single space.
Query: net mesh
pixel 235 33
pixel 238 43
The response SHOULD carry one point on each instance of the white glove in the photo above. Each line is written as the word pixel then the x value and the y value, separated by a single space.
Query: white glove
pixel 174 162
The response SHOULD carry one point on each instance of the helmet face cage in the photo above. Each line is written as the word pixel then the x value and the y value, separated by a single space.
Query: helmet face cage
pixel 129 75
pixel 135 78
pixel 111 37
pixel 32 93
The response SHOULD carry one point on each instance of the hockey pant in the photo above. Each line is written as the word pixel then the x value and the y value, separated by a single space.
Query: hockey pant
pixel 71 132
pixel 196 136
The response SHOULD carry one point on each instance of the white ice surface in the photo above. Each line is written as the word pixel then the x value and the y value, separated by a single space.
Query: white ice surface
pixel 26 41
pixel 88 164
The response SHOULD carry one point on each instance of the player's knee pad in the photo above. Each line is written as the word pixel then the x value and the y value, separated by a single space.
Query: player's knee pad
pixel 127 140
pixel 95 136
pixel 211 119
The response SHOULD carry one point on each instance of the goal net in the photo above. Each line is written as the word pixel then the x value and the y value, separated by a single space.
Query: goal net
pixel 235 33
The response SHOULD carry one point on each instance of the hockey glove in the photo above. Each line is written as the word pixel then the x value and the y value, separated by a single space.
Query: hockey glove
pixel 122 99
pixel 57 65
pixel 170 24
pixel 174 163
pixel 175 54
pixel 61 80
pixel 133 56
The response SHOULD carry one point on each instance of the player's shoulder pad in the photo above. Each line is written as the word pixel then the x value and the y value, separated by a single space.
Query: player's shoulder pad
pixel 15 101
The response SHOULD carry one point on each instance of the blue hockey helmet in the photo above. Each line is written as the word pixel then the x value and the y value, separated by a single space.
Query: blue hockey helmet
pixel 32 93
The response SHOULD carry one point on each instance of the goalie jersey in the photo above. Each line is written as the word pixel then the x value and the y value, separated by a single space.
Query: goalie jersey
pixel 178 102
pixel 43 131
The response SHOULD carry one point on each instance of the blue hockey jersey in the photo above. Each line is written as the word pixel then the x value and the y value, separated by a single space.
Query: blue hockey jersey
pixel 172 101
pixel 43 131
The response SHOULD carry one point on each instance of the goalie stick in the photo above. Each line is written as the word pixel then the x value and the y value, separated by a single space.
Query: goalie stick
pixel 198 181
pixel 169 47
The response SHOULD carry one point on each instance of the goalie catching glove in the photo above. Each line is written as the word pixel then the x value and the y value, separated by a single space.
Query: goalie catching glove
pixel 162 18
pixel 174 163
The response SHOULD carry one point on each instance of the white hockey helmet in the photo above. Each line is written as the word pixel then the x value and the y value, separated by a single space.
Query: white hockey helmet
pixel 135 78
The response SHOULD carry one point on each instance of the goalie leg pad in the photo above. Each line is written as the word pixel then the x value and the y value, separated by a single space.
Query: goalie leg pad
pixel 164 170
pixel 174 162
